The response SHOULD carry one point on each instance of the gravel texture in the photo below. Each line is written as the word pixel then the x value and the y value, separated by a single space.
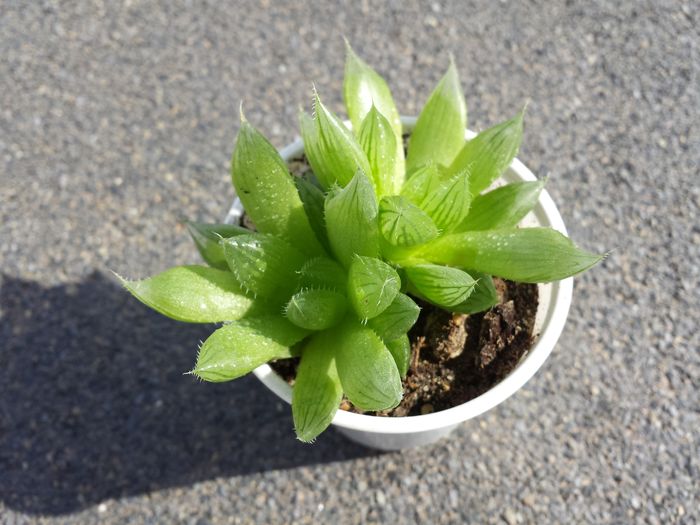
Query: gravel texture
pixel 116 119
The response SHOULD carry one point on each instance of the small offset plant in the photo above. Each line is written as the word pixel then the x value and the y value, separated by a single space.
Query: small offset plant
pixel 329 273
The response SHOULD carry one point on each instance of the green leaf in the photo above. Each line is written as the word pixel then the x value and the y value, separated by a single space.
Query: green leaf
pixel 317 391
pixel 441 285
pixel 366 368
pixel 421 182
pixel 372 286
pixel 400 349
pixel 316 309
pixel 445 198
pixel 322 272
pixel 351 220
pixel 379 144
pixel 397 319
pixel 240 347
pixel 207 236
pixel 448 204
pixel 268 194
pixel 489 153
pixel 503 207
pixel 334 154
pixel 309 135
pixel 483 297
pixel 313 200
pixel 194 294
pixel 530 255
pixel 364 88
pixel 404 224
pixel 263 264
pixel 439 132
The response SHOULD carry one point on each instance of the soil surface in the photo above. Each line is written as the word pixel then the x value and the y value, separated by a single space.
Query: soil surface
pixel 457 357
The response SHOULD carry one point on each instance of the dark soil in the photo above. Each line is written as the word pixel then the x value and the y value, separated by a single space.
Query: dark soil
pixel 457 357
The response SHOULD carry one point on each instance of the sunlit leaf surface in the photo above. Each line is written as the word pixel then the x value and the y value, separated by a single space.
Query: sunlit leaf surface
pixel 531 255
pixel 195 294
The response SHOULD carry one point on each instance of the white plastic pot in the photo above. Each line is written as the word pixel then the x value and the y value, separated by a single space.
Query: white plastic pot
pixel 393 433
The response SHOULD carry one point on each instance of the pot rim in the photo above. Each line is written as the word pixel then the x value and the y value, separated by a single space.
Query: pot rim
pixel 555 318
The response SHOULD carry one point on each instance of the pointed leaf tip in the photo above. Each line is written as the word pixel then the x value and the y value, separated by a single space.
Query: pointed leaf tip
pixel 207 239
pixel 439 132
pixel 240 347
pixel 489 153
pixel 351 220
pixel 267 191
pixel 348 47
pixel 522 111
pixel 194 294
pixel 379 144
pixel 531 255
pixel 332 150
pixel 364 88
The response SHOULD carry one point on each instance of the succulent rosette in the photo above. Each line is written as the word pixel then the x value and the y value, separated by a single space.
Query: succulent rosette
pixel 331 270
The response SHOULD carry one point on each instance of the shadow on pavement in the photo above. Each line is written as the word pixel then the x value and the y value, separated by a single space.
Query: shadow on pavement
pixel 93 403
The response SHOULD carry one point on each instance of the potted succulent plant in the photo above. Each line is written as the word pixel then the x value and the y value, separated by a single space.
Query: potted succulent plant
pixel 328 282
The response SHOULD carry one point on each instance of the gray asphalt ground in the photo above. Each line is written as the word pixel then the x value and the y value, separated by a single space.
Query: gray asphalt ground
pixel 117 119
